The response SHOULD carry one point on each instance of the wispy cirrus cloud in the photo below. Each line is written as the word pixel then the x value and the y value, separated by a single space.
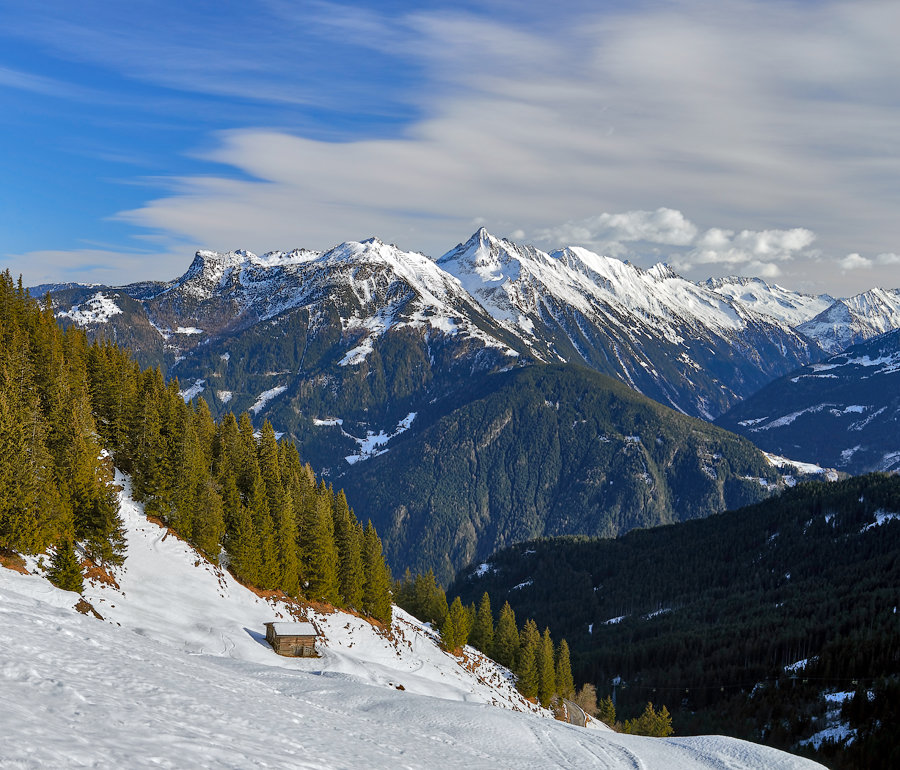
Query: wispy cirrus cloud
pixel 766 122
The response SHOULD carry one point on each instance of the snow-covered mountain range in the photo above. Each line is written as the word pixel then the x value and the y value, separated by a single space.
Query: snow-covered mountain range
pixel 696 348
pixel 854 319
pixel 360 352
pixel 175 672
pixel 791 307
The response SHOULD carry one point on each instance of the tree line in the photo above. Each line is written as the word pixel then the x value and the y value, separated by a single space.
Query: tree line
pixel 543 670
pixel 69 409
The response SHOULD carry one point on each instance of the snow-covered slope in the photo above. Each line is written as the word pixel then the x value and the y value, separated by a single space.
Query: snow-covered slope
pixel 790 307
pixel 178 675
pixel 855 319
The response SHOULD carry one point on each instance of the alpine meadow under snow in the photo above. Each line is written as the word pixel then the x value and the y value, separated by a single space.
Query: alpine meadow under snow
pixel 178 674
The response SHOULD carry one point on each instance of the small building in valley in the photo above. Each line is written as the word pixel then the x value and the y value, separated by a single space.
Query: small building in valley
pixel 292 639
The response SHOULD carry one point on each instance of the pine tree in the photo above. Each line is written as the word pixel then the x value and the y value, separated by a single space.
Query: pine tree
pixel 349 547
pixel 606 710
pixel 565 685
pixel 482 636
pixel 455 631
pixel 546 670
pixel 506 637
pixel 65 571
pixel 377 580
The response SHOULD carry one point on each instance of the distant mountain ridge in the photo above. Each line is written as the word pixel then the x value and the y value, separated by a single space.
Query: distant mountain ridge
pixel 683 344
pixel 843 411
pixel 791 307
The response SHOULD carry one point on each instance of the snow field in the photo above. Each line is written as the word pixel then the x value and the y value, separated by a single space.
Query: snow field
pixel 179 675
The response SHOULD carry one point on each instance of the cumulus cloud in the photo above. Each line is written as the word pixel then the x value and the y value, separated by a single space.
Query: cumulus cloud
pixel 667 233
pixel 610 232
pixel 855 262
pixel 717 246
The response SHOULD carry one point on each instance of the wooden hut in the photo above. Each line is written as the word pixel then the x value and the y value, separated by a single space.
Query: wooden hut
pixel 292 639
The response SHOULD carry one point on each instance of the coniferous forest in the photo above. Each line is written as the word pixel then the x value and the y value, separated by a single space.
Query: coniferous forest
pixel 740 622
pixel 70 411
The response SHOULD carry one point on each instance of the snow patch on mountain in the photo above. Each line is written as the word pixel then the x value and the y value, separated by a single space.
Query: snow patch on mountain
pixel 193 391
pixel 373 444
pixel 881 518
pixel 96 310
pixel 265 397
pixel 802 467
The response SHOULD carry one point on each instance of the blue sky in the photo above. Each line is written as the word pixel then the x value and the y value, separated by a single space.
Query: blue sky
pixel 741 136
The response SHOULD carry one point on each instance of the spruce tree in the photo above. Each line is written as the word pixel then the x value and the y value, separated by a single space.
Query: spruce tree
pixel 320 554
pixel 526 667
pixel 506 637
pixel 546 670
pixel 286 529
pixel 65 571
pixel 429 600
pixel 209 520
pixel 242 542
pixel 606 709
pixel 565 685
pixel 455 631
pixel 349 547
pixel 377 578
pixel 482 636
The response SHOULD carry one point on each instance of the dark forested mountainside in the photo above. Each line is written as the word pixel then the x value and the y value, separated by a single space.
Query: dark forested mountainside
pixel 843 412
pixel 220 486
pixel 709 616
pixel 546 450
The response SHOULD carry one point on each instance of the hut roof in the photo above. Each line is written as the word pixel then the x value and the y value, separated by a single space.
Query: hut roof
pixel 294 629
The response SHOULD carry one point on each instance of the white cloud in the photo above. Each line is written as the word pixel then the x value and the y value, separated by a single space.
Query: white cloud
pixel 761 270
pixel 855 262
pixel 744 114
pixel 888 259
pixel 609 232
pixel 717 246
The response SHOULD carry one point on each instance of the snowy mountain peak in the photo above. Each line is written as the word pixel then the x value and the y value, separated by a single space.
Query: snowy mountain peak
pixel 772 300
pixel 854 319
pixel 661 272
